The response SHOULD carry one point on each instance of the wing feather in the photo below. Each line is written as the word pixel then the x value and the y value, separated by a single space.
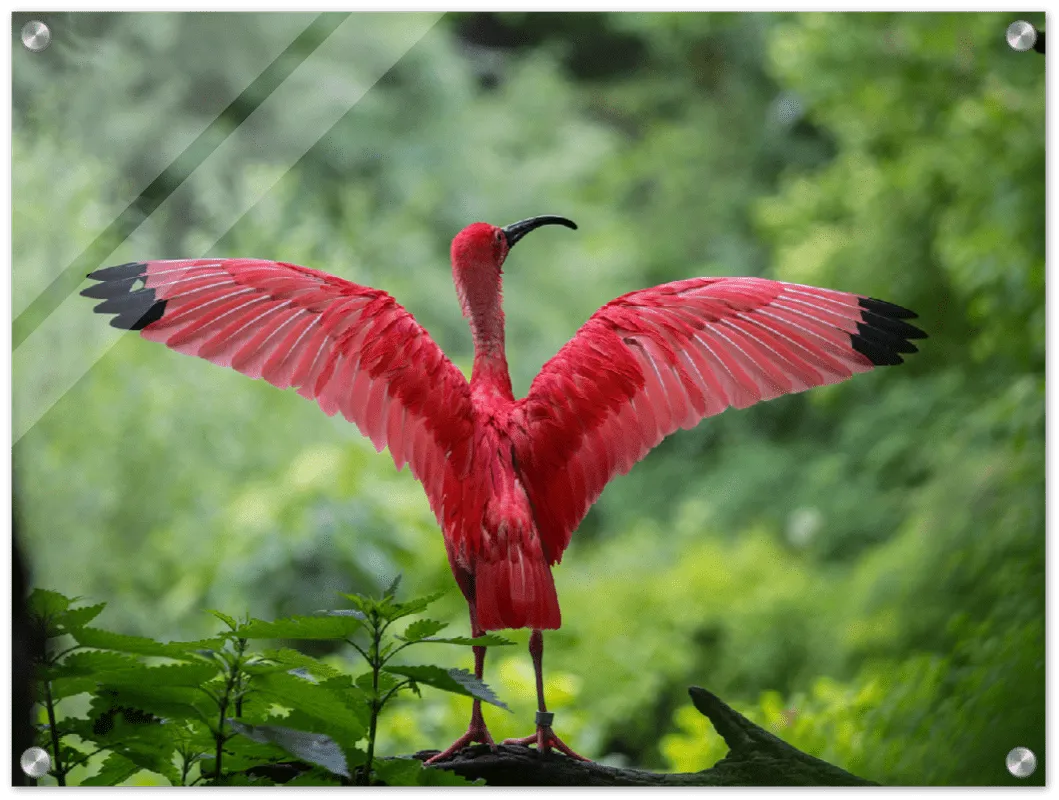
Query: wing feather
pixel 654 361
pixel 348 347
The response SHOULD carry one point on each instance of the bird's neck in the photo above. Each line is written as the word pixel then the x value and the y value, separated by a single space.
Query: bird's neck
pixel 489 372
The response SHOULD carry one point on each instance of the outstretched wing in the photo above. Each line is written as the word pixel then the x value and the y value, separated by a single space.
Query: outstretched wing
pixel 349 347
pixel 664 358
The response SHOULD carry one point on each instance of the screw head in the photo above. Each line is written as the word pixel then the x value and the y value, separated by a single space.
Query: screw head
pixel 36 35
pixel 1021 35
pixel 1021 762
pixel 35 762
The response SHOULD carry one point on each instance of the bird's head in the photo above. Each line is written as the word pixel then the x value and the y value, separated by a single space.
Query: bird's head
pixel 479 250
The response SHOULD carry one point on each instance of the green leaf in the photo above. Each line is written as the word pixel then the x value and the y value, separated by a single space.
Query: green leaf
pixel 72 755
pixel 169 702
pixel 317 700
pixel 78 617
pixel 114 770
pixel 151 746
pixel 78 726
pixel 195 736
pixel 485 640
pixel 458 681
pixel 265 667
pixel 398 771
pixel 199 646
pixel 321 627
pixel 289 659
pixel 69 687
pixel 387 609
pixel 314 777
pixel 355 700
pixel 345 612
pixel 205 711
pixel 123 643
pixel 227 620
pixel 209 655
pixel 239 779
pixel 301 721
pixel 363 604
pixel 439 776
pixel 164 676
pixel 393 611
pixel 153 761
pixel 386 682
pixel 422 628
pixel 391 590
pixel 316 748
pixel 94 663
pixel 242 753
pixel 47 604
pixel 82 671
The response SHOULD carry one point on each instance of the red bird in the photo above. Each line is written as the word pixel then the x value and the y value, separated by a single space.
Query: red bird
pixel 509 480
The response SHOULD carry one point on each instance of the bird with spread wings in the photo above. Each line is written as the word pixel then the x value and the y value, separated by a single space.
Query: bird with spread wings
pixel 508 479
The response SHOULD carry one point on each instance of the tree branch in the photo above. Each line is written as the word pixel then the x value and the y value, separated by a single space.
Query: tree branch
pixel 755 758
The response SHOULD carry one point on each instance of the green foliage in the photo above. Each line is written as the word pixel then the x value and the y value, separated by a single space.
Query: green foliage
pixel 423 631
pixel 420 629
pixel 213 712
pixel 409 772
pixel 114 771
pixel 123 643
pixel 454 680
pixel 316 748
pixel 322 627
pixel 882 538
pixel 886 721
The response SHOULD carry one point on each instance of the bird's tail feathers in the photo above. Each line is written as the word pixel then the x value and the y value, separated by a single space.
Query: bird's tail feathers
pixel 516 591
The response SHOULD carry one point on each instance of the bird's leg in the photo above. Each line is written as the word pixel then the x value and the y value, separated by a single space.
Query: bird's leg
pixel 545 737
pixel 476 731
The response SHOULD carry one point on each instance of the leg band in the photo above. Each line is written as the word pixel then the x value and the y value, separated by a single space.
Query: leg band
pixel 545 718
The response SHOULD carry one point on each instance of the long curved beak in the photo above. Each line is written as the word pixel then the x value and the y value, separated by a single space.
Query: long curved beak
pixel 516 230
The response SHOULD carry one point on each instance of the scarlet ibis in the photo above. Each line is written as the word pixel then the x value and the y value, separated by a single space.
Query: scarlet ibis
pixel 509 480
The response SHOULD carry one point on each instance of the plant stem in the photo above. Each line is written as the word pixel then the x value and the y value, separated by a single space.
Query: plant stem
pixel 391 693
pixel 60 773
pixel 233 677
pixel 219 737
pixel 371 741
pixel 359 649
pixel 376 665
pixel 397 650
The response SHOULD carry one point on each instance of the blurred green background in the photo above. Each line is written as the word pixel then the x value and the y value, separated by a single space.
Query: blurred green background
pixel 859 568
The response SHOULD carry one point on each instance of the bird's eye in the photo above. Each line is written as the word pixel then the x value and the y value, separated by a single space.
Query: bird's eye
pixel 499 236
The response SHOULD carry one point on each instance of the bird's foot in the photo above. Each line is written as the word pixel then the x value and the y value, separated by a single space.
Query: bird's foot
pixel 545 738
pixel 475 734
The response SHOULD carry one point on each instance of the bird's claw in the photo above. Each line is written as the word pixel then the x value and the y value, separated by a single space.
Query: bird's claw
pixel 545 739
pixel 475 734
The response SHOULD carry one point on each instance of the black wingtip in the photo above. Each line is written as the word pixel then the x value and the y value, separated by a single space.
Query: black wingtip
pixel 128 270
pixel 887 309
pixel 883 334
pixel 134 309
pixel 139 319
